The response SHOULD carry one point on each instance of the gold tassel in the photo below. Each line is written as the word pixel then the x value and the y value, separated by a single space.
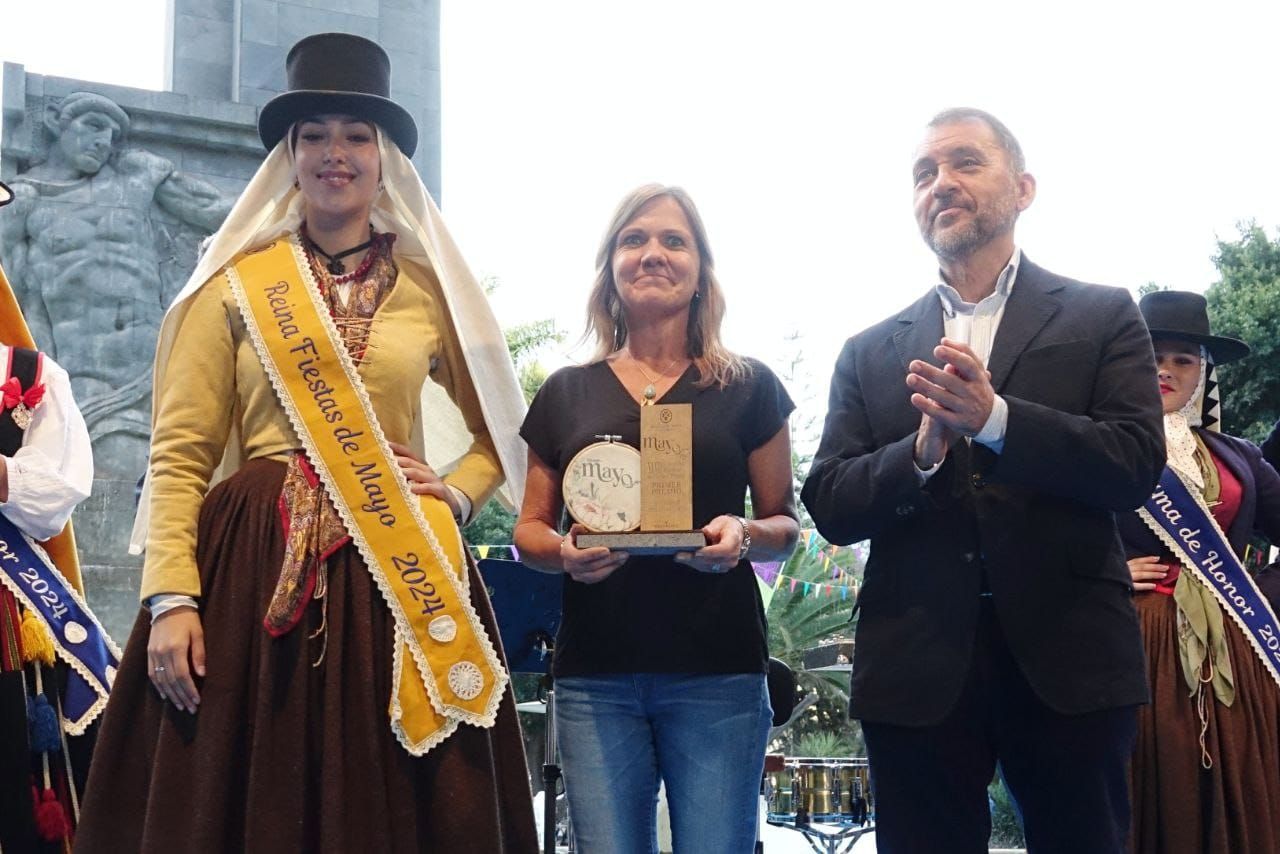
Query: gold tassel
pixel 36 643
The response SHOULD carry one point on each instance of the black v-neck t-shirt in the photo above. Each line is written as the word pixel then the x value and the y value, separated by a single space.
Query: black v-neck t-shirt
pixel 654 615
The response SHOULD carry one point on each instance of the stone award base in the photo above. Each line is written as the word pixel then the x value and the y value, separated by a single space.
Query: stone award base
pixel 645 542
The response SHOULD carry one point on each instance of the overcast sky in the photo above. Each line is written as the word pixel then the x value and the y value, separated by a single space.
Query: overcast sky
pixel 1151 132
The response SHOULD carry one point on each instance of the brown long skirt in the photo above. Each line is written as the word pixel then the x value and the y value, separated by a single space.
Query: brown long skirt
pixel 283 756
pixel 1178 805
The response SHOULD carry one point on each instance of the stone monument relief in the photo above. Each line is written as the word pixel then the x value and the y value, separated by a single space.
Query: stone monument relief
pixel 99 238
pixel 114 190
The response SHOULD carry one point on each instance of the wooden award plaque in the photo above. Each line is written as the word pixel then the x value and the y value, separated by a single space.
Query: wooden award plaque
pixel 664 469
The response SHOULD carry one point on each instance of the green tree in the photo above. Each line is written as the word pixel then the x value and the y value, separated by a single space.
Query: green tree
pixel 798 622
pixel 1006 830
pixel 492 526
pixel 524 342
pixel 805 426
pixel 494 523
pixel 1149 288
pixel 1245 303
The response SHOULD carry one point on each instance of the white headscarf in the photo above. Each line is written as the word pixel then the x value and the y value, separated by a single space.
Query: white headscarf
pixel 1180 442
pixel 271 206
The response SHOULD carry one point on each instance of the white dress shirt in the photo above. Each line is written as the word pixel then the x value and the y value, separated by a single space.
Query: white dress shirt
pixel 53 470
pixel 976 324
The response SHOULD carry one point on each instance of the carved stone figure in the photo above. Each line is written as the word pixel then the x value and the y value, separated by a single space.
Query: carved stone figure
pixel 97 241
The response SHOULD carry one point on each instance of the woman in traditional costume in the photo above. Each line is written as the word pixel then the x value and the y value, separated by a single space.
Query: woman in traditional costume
pixel 56 661
pixel 323 656
pixel 660 659
pixel 1206 769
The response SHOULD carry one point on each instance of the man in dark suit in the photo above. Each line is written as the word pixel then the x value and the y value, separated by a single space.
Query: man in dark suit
pixel 1269 578
pixel 982 440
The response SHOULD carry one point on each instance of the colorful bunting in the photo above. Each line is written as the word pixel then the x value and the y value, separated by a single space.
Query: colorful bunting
pixel 814 589
pixel 768 572
pixel 766 592
pixel 504 552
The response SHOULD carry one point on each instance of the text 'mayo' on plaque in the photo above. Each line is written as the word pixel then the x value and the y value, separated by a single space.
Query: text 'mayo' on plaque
pixel 601 488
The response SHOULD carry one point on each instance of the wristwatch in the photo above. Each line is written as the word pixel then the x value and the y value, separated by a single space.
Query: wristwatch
pixel 746 537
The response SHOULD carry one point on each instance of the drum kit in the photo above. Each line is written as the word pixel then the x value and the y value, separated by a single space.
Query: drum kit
pixel 822 790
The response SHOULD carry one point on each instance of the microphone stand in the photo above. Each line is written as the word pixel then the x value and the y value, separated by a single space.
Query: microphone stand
pixel 551 773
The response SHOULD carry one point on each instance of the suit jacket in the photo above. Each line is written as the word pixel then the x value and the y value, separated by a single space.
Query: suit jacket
pixel 1269 579
pixel 1259 502
pixel 1034 524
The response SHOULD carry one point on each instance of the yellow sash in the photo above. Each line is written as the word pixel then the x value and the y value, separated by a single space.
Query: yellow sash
pixel 410 544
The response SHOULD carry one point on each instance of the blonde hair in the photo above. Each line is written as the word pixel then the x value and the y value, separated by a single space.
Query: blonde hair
pixel 606 320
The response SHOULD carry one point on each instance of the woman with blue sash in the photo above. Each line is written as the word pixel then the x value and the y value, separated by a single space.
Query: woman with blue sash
pixel 1206 769
pixel 56 662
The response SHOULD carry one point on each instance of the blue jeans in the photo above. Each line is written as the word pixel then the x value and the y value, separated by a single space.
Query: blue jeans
pixel 704 735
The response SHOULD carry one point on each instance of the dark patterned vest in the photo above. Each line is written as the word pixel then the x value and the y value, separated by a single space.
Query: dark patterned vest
pixel 25 365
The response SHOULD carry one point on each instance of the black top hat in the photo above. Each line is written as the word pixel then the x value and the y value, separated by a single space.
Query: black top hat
pixel 6 195
pixel 1185 316
pixel 337 73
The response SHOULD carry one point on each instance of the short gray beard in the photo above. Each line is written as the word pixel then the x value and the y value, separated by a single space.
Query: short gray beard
pixel 957 243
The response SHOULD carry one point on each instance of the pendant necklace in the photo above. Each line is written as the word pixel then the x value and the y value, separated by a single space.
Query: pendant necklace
pixel 334 264
pixel 651 391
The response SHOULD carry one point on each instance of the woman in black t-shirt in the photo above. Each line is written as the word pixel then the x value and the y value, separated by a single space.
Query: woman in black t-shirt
pixel 660 660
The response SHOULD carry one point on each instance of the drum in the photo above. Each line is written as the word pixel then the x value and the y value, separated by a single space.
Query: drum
pixel 819 788
pixel 854 777
pixel 825 790
pixel 778 792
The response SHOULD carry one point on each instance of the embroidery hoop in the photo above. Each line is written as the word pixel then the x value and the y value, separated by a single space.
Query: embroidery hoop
pixel 601 503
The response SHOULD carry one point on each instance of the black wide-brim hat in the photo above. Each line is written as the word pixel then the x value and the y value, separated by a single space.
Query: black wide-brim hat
pixel 6 195
pixel 337 73
pixel 1184 315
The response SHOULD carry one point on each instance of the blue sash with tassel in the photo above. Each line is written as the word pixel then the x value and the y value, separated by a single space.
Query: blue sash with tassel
pixel 1181 520
pixel 78 637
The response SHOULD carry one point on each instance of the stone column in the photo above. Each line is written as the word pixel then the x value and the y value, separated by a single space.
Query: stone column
pixel 235 50
pixel 200 55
